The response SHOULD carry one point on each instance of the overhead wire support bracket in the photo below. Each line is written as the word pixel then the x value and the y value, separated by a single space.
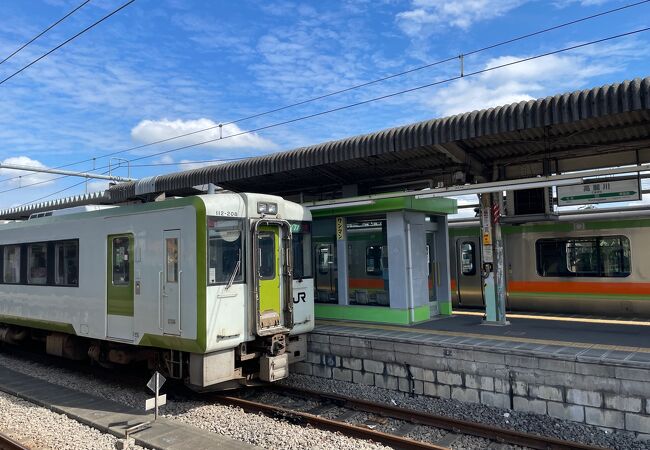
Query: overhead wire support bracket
pixel 461 57
pixel 86 175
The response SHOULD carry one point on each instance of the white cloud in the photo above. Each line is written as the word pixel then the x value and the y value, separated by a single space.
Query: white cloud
pixel 155 130
pixel 565 3
pixel 520 82
pixel 426 17
pixel 16 178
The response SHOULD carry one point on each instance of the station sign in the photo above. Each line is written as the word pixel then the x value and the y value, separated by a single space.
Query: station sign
pixel 599 192
pixel 341 229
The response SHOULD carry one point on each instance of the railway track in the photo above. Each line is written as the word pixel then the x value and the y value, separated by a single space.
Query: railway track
pixel 7 443
pixel 455 428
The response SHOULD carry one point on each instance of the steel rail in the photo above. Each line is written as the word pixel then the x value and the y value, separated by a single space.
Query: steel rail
pixel 7 443
pixel 459 426
pixel 329 424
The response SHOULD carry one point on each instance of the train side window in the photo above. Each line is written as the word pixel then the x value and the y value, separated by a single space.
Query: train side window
pixel 373 260
pixel 301 245
pixel 225 251
pixel 37 263
pixel 171 254
pixel 121 261
pixel 11 257
pixel 66 263
pixel 597 256
pixel 468 258
pixel 614 256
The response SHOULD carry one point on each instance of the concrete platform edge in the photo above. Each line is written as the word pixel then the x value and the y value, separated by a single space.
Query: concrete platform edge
pixel 218 441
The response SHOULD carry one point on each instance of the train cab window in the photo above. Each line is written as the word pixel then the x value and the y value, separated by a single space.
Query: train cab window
pixel 374 255
pixel 225 251
pixel 121 261
pixel 37 263
pixel 11 257
pixel 468 258
pixel 66 263
pixel 598 256
pixel 301 244
pixel 266 243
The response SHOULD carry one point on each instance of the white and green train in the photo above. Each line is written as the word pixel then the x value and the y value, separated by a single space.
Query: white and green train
pixel 215 290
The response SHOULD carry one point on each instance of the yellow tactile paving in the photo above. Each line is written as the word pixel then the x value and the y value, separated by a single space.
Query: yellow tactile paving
pixel 562 318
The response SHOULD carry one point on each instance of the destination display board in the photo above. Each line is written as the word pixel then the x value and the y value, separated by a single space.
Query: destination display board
pixel 599 192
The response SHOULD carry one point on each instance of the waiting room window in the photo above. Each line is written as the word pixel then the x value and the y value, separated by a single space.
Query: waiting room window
pixel 37 263
pixel 11 264
pixel 374 260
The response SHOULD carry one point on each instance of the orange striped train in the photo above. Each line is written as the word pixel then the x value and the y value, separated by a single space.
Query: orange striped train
pixel 594 264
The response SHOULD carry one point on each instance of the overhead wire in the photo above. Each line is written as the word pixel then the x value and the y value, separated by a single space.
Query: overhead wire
pixel 70 39
pixel 56 192
pixel 385 78
pixel 358 86
pixel 393 94
pixel 19 49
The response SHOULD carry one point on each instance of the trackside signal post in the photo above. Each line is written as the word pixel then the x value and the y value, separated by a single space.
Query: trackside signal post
pixel 492 260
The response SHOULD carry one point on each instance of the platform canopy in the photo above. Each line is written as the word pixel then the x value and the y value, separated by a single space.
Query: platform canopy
pixel 600 127
pixel 588 129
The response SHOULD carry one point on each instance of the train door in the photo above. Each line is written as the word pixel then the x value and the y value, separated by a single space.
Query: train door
pixel 119 289
pixel 171 283
pixel 469 284
pixel 326 273
pixel 272 247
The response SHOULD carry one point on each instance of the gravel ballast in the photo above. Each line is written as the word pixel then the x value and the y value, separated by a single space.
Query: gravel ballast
pixel 40 428
pixel 265 432
pixel 273 433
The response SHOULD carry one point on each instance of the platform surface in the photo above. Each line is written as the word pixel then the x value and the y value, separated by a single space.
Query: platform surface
pixel 112 417
pixel 617 343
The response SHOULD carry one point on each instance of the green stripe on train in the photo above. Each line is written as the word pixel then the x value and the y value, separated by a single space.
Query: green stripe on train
pixel 38 324
pixel 376 314
pixel 566 227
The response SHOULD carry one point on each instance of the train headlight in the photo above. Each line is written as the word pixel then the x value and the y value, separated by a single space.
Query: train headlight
pixel 267 208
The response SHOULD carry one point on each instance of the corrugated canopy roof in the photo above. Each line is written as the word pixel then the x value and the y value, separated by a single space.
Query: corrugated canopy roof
pixel 599 127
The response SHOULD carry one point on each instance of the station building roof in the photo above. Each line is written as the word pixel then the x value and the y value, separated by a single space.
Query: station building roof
pixel 587 129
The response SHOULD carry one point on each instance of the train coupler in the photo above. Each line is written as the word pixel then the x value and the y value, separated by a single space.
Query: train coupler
pixel 274 368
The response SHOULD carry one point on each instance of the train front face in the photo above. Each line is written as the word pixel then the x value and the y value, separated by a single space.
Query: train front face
pixel 281 289
pixel 260 291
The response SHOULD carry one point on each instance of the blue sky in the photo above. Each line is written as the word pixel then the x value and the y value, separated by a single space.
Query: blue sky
pixel 166 67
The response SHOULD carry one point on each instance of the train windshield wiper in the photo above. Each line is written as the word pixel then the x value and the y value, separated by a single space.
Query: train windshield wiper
pixel 234 272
